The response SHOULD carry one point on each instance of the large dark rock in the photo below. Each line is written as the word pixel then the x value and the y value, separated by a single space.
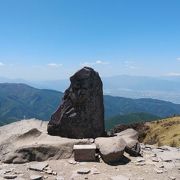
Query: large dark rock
pixel 81 114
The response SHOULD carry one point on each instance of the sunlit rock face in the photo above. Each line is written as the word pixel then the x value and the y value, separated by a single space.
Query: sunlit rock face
pixel 81 114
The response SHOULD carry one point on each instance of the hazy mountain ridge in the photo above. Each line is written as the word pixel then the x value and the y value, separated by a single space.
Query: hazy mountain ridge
pixel 164 88
pixel 19 101
pixel 130 119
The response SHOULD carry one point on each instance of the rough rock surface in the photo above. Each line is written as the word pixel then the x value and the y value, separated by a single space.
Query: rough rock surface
pixel 27 140
pixel 81 114
pixel 110 148
pixel 130 136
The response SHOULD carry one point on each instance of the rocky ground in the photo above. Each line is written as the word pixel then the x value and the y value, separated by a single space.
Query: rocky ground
pixel 21 142
pixel 155 164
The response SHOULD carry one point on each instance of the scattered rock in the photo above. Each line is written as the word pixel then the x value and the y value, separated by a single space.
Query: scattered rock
pixel 140 159
pixel 159 171
pixel 40 166
pixel 168 156
pixel 111 148
pixel 83 171
pixel 140 163
pixel 119 177
pixel 8 171
pixel 159 165
pixel 10 176
pixel 95 171
pixel 81 114
pixel 72 161
pixel 155 159
pixel 172 178
pixel 59 178
pixel 36 177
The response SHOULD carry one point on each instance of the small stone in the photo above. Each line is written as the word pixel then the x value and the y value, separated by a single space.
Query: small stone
pixel 139 159
pixel 153 155
pixel 72 161
pixel 10 176
pixel 159 165
pixel 49 171
pixel 140 163
pixel 159 171
pixel 95 171
pixel 36 177
pixel 59 178
pixel 54 173
pixel 7 171
pixel 172 178
pixel 155 159
pixel 38 166
pixel 120 177
pixel 83 171
pixel 91 140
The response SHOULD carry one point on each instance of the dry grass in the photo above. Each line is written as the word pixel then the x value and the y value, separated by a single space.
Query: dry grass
pixel 164 132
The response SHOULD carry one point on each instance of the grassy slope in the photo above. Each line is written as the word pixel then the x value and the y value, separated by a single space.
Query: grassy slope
pixel 164 132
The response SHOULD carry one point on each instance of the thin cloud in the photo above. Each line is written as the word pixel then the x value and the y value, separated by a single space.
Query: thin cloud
pixel 2 64
pixel 101 62
pixel 98 62
pixel 54 65
pixel 173 74
pixel 178 58
pixel 130 65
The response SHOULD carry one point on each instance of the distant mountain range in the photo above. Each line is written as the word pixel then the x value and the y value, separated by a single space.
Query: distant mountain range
pixel 19 101
pixel 164 88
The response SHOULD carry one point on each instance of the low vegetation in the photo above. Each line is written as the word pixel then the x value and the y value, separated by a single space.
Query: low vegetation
pixel 164 132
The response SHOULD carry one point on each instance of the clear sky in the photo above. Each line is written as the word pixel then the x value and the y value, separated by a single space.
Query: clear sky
pixel 51 39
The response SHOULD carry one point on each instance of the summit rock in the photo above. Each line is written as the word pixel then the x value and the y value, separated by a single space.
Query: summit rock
pixel 81 114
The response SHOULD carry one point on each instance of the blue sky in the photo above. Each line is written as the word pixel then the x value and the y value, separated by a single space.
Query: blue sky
pixel 51 39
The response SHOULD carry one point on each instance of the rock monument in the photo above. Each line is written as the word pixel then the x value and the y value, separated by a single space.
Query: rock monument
pixel 81 114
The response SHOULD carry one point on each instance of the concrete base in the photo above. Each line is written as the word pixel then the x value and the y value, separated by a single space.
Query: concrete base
pixel 85 152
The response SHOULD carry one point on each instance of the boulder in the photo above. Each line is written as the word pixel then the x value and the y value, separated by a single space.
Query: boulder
pixel 130 136
pixel 111 148
pixel 81 114
pixel 29 141
pixel 130 133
